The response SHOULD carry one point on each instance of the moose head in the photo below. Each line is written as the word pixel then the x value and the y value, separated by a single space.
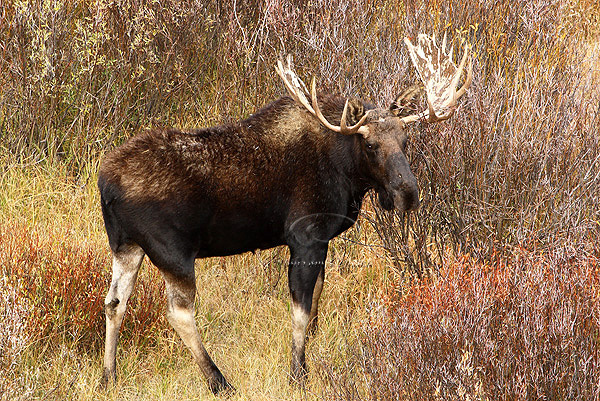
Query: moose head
pixel 383 132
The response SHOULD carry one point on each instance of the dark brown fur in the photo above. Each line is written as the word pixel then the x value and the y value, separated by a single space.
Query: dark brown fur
pixel 276 178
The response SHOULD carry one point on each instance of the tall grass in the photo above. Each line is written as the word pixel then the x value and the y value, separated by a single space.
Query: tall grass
pixel 510 191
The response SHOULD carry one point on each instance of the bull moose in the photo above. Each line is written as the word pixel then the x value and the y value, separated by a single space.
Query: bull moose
pixel 283 176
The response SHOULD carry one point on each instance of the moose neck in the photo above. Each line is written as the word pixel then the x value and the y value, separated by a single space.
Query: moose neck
pixel 346 157
pixel 346 150
pixel 306 147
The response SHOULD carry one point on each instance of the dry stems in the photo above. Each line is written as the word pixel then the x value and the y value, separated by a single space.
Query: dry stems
pixel 514 174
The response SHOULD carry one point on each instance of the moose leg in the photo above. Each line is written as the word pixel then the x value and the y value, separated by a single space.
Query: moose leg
pixel 306 264
pixel 180 313
pixel 313 319
pixel 125 267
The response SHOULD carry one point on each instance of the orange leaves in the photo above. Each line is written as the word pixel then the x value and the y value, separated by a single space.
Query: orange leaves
pixel 63 284
pixel 522 327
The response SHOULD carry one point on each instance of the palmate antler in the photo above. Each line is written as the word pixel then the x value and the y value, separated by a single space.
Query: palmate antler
pixel 434 66
pixel 440 76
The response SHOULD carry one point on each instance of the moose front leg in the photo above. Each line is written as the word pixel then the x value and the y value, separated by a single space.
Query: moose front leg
pixel 306 265
pixel 313 319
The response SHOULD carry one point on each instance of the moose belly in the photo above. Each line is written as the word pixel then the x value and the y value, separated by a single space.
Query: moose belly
pixel 233 234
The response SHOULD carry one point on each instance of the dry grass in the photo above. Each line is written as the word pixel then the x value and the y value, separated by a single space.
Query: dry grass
pixel 513 181
pixel 56 269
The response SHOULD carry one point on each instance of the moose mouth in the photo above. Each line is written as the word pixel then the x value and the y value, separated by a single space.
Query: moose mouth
pixel 386 201
pixel 403 201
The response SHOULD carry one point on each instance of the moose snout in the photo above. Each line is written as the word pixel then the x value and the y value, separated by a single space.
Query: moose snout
pixel 411 199
pixel 406 197
pixel 405 191
pixel 402 184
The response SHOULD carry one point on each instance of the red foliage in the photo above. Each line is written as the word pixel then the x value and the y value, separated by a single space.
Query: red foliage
pixel 62 285
pixel 523 328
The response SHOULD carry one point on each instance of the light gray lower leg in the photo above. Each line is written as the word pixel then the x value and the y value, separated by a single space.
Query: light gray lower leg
pixel 125 267
pixel 180 313
pixel 300 319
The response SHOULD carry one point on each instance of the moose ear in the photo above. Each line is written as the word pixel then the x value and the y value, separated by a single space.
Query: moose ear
pixel 406 103
pixel 356 111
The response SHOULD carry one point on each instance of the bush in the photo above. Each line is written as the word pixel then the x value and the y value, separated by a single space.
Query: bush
pixel 55 290
pixel 524 328
pixel 77 77
pixel 519 163
pixel 513 182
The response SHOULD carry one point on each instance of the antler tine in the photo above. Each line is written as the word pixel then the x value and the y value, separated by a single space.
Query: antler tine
pixel 468 80
pixel 318 113
pixel 342 128
pixel 297 90
pixel 444 42
pixel 301 84
pixel 446 52
pixel 460 67
pixel 440 77
pixel 294 90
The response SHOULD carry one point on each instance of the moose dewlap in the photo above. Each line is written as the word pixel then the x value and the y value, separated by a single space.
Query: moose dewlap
pixel 286 175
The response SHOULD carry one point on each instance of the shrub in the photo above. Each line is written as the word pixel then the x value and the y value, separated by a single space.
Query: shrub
pixel 524 328
pixel 519 163
pixel 56 290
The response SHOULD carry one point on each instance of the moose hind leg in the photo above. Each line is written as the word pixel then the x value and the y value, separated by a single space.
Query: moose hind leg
pixel 180 313
pixel 125 266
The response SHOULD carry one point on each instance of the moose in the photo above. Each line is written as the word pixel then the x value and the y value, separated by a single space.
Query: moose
pixel 285 175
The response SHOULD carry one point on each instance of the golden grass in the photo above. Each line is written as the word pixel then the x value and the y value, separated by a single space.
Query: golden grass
pixel 242 308
pixel 48 195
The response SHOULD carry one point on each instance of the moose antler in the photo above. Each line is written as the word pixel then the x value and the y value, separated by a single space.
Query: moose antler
pixel 434 66
pixel 440 76
pixel 297 90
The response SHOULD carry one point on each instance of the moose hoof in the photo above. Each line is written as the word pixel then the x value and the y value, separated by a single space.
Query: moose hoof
pixel 107 378
pixel 221 387
pixel 313 326
pixel 299 376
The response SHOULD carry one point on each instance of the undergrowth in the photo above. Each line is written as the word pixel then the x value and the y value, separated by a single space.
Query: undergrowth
pixel 53 294
pixel 527 327
pixel 494 280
